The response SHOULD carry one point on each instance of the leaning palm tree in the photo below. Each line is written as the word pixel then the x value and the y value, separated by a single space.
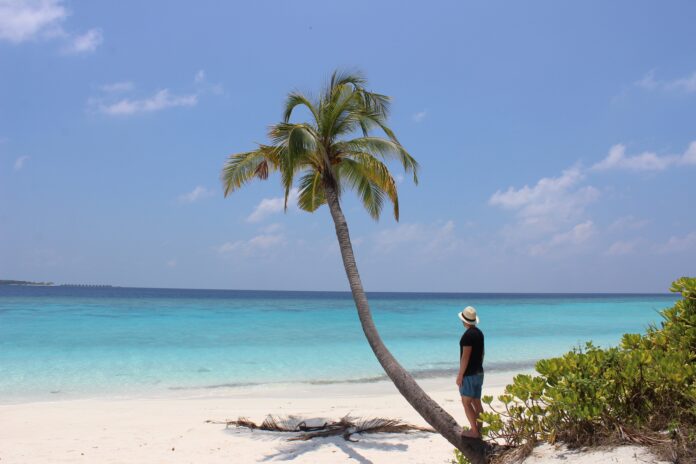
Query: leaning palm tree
pixel 331 153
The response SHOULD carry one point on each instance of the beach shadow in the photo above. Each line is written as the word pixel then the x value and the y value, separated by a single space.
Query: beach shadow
pixel 292 450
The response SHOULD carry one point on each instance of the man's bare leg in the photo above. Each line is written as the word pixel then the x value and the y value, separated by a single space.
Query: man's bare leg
pixel 472 416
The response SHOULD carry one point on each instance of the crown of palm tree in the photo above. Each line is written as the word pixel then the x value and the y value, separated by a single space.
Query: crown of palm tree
pixel 334 148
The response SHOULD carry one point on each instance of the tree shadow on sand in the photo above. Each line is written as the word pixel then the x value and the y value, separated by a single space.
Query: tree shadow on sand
pixel 351 449
pixel 307 435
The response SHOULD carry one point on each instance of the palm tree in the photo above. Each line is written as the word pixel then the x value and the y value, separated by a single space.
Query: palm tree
pixel 333 152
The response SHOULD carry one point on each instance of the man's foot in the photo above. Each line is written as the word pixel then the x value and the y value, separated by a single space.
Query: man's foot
pixel 470 434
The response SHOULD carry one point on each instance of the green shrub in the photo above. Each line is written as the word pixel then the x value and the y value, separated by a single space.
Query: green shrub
pixel 459 458
pixel 643 391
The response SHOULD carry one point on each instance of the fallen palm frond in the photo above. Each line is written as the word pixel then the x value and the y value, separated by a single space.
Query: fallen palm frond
pixel 346 426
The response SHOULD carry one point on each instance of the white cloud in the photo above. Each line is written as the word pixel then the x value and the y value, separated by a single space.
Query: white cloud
pixel 108 102
pixel 682 84
pixel 25 20
pixel 19 162
pixel 677 243
pixel 419 116
pixel 117 87
pixel 196 194
pixel 85 43
pixel 161 100
pixel 622 247
pixel 648 81
pixel 646 161
pixel 388 239
pixel 171 263
pixel 200 79
pixel 628 223
pixel 272 228
pixel 22 20
pixel 258 244
pixel 685 84
pixel 430 239
pixel 579 234
pixel 549 203
pixel 269 206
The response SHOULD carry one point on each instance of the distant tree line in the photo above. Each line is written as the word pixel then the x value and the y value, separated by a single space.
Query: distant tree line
pixel 23 282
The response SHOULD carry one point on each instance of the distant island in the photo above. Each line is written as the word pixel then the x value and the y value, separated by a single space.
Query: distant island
pixel 48 284
pixel 26 282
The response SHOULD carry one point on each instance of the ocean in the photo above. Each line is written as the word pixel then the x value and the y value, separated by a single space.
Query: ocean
pixel 75 342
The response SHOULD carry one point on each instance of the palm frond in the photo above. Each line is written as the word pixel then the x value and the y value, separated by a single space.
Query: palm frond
pixel 296 99
pixel 240 168
pixel 378 173
pixel 346 426
pixel 370 193
pixel 344 77
pixel 385 149
pixel 311 191
pixel 317 150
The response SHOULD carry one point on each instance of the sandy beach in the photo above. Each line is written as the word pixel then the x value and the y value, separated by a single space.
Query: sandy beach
pixel 173 428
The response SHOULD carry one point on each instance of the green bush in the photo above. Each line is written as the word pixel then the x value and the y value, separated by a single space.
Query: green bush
pixel 459 458
pixel 643 391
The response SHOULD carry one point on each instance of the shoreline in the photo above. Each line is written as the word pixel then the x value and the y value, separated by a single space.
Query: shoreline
pixel 172 427
pixel 368 386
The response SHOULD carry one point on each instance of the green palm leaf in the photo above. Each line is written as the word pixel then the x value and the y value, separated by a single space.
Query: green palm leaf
pixel 240 168
pixel 325 152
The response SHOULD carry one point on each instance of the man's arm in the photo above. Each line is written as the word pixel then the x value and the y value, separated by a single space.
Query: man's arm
pixel 466 354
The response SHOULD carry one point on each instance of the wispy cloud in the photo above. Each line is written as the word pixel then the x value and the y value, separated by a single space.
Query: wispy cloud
pixel 112 102
pixel 678 243
pixel 85 43
pixel 203 86
pixel 545 210
pixel 685 84
pixel 19 162
pixel 568 241
pixel 622 247
pixel 272 228
pixel 171 263
pixel 549 203
pixel 646 161
pixel 431 239
pixel 117 87
pixel 27 20
pixel 196 194
pixel 269 206
pixel 160 100
pixel 627 223
pixel 259 244
pixel 419 116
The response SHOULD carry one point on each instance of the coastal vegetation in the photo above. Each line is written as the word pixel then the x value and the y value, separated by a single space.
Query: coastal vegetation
pixel 25 282
pixel 332 152
pixel 641 392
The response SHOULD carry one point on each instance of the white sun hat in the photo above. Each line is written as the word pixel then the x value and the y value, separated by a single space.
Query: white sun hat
pixel 469 315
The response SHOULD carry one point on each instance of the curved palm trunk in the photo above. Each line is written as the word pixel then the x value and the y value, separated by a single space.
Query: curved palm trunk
pixel 437 417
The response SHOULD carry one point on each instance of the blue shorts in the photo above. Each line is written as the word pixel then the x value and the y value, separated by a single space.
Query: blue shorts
pixel 471 386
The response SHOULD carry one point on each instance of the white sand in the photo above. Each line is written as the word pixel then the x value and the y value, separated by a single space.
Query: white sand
pixel 172 428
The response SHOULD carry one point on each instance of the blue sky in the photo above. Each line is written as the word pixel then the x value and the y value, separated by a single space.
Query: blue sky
pixel 556 140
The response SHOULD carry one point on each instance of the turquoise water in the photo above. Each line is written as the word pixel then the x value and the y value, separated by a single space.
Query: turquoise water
pixel 60 342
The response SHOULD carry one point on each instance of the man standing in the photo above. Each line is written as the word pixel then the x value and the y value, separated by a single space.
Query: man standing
pixel 470 376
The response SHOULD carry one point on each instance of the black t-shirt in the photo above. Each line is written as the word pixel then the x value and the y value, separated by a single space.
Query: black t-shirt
pixel 473 337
